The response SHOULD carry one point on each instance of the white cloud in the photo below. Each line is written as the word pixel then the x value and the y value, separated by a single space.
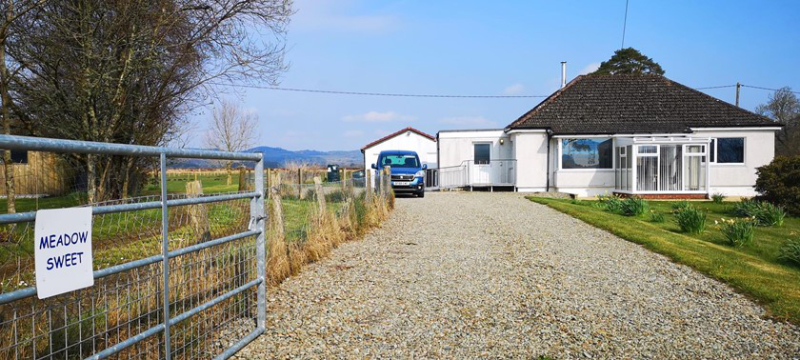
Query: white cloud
pixel 590 68
pixel 330 15
pixel 378 117
pixel 353 133
pixel 514 89
pixel 475 121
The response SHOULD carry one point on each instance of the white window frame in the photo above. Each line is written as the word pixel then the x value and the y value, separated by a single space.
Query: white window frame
pixel 491 145
pixel 715 142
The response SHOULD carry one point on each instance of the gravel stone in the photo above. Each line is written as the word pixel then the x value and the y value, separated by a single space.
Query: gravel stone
pixel 477 275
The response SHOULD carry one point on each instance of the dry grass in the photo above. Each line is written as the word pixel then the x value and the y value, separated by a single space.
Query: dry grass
pixel 328 230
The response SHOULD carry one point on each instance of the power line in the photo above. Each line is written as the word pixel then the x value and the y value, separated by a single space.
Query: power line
pixel 624 25
pixel 714 87
pixel 360 93
pixel 742 85
pixel 380 94
pixel 763 88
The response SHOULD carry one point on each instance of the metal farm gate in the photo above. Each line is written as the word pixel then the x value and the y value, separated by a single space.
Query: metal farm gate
pixel 167 285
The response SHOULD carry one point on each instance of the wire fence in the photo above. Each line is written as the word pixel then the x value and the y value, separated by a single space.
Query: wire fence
pixel 176 268
pixel 207 303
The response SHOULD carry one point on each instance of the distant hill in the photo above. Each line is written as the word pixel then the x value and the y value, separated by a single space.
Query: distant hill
pixel 275 157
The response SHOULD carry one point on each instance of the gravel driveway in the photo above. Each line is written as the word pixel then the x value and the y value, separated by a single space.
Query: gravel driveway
pixel 476 275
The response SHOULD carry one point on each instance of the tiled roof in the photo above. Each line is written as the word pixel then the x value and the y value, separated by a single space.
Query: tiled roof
pixel 624 104
pixel 401 131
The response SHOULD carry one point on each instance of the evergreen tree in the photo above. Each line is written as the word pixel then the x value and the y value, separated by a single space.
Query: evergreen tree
pixel 629 61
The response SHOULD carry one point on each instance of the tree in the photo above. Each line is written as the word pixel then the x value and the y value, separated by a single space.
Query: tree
pixel 232 129
pixel 10 12
pixel 783 106
pixel 629 61
pixel 128 71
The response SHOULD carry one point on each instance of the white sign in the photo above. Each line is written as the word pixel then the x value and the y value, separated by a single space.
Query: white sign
pixel 63 250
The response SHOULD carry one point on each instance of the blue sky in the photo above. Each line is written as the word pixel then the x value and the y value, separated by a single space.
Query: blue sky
pixel 496 48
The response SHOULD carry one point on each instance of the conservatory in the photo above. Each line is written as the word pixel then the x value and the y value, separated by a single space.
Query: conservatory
pixel 661 165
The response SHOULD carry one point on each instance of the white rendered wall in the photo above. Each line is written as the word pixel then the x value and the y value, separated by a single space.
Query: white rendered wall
pixel 739 179
pixel 530 150
pixel 456 147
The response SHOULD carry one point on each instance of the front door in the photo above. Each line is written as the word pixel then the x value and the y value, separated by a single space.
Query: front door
pixel 481 169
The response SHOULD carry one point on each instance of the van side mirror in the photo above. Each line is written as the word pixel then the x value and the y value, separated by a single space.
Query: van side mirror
pixel 424 166
pixel 375 166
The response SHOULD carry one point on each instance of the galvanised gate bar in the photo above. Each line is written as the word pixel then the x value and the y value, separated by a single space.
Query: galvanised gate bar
pixel 181 296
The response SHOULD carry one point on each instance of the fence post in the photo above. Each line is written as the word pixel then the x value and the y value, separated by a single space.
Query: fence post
pixel 299 184
pixel 320 195
pixel 380 183
pixel 198 214
pixel 387 179
pixel 257 208
pixel 165 253
pixel 277 211
pixel 368 186
pixel 343 179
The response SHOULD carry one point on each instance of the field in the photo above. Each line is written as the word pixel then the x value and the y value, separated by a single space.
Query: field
pixel 122 237
pixel 753 269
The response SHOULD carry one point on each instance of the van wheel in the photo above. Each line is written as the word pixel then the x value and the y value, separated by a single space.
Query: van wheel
pixel 421 194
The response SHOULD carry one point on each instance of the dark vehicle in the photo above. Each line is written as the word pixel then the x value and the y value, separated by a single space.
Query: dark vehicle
pixel 359 178
pixel 333 173
pixel 408 173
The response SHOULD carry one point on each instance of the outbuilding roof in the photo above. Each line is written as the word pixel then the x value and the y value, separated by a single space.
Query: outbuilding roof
pixel 401 131
pixel 625 104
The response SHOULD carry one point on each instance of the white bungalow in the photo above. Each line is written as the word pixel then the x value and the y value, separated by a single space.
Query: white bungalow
pixel 641 135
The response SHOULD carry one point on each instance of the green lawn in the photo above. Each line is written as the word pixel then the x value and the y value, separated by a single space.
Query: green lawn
pixel 752 269
pixel 176 184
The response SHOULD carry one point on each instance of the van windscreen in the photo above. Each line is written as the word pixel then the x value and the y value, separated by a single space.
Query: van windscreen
pixel 400 161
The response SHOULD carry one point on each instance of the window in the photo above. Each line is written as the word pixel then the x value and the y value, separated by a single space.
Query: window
pixel 19 157
pixel 730 151
pixel 482 153
pixel 595 153
pixel 712 151
pixel 400 161
pixel 648 149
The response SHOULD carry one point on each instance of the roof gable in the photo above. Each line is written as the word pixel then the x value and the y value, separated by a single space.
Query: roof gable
pixel 394 134
pixel 609 104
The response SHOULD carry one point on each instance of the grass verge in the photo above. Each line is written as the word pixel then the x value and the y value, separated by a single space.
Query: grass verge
pixel 754 269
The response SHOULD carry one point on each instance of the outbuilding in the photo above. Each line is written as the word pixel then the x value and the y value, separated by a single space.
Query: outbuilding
pixel 409 139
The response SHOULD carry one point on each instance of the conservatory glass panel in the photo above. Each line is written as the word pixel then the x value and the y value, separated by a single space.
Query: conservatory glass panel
pixel 694 168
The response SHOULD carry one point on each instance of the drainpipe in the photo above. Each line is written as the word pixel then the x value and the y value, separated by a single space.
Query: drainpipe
pixel 438 164
pixel 563 74
pixel 549 135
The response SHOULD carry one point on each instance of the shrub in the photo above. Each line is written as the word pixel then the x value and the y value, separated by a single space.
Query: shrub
pixel 691 220
pixel 779 183
pixel 764 213
pixel 790 251
pixel 737 231
pixel 633 206
pixel 769 215
pixel 610 203
pixel 680 205
pixel 656 217
pixel 717 198
pixel 746 208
